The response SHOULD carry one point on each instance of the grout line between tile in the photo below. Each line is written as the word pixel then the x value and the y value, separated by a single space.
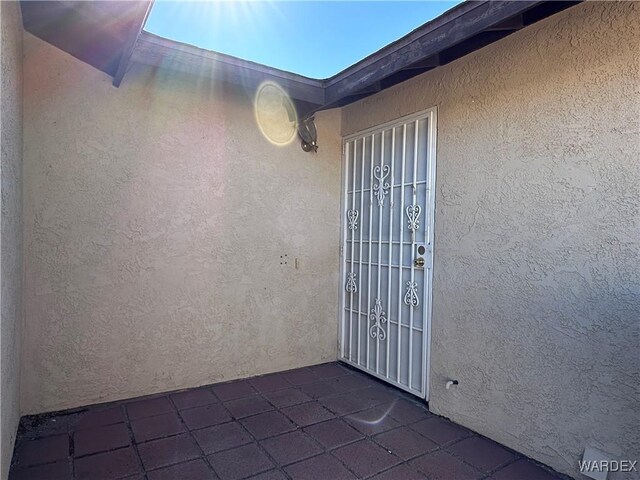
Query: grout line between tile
pixel 193 439
pixel 132 440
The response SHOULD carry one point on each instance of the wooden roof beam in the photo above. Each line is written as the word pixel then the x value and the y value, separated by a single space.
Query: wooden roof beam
pixel 426 64
pixel 511 24
pixel 451 28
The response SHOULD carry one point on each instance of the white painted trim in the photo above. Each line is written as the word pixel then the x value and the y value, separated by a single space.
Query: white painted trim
pixel 433 148
pixel 343 244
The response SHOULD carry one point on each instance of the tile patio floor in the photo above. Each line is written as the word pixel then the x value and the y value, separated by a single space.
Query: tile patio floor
pixel 325 422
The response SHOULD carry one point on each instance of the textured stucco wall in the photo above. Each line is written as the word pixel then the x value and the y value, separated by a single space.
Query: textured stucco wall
pixel 536 305
pixel 11 226
pixel 156 216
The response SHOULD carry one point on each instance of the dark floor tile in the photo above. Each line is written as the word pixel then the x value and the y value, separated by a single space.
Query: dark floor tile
pixel 376 395
pixel 287 397
pixel 524 470
pixel 222 437
pixel 441 430
pixel 233 390
pixel 320 389
pixel 442 465
pixel 167 451
pixel 308 413
pixel 352 382
pixel 206 416
pixel 270 475
pixel 98 418
pixel 148 407
pixel 268 424
pixel 330 370
pixel 291 447
pixel 401 472
pixel 372 421
pixel 60 470
pixel 405 443
pixel 100 439
pixel 107 466
pixel 400 430
pixel 38 426
pixel 269 383
pixel 334 433
pixel 240 462
pixel 44 450
pixel 407 412
pixel 322 467
pixel 245 407
pixel 300 376
pixel 192 470
pixel 343 404
pixel 159 426
pixel 482 453
pixel 365 458
pixel 193 398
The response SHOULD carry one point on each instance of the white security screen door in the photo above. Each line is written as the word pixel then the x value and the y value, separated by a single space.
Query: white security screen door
pixel 386 255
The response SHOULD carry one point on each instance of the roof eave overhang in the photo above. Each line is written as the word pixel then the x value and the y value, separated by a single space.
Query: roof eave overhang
pixel 425 43
pixel 163 53
pixel 459 31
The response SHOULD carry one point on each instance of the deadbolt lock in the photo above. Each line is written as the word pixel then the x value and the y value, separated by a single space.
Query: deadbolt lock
pixel 419 262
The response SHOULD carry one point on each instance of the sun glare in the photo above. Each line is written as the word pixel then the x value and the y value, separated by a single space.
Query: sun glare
pixel 275 114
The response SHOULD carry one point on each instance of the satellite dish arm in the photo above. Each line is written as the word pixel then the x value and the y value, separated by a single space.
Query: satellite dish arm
pixel 308 134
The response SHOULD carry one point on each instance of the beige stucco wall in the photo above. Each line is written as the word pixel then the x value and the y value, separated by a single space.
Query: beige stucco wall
pixel 536 305
pixel 11 226
pixel 156 216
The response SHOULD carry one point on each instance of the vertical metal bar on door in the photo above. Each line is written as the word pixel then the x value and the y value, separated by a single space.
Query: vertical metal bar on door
pixel 353 242
pixel 427 270
pixel 360 254
pixel 345 235
pixel 379 266
pixel 390 251
pixel 413 246
pixel 369 256
pixel 400 265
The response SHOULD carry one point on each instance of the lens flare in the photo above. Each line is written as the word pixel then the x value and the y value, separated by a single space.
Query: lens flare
pixel 275 114
pixel 373 417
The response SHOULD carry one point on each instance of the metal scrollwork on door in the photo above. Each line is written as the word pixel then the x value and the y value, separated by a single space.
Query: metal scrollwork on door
pixel 413 212
pixel 352 219
pixel 378 317
pixel 381 189
pixel 351 286
pixel 411 296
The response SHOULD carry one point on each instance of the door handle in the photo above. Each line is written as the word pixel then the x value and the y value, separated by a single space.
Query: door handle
pixel 419 262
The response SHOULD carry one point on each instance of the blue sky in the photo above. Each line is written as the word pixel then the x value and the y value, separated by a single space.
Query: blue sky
pixel 316 39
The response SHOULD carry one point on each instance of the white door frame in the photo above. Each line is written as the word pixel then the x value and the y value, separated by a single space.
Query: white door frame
pixel 432 115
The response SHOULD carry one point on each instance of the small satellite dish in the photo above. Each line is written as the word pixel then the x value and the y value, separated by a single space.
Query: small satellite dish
pixel 308 134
